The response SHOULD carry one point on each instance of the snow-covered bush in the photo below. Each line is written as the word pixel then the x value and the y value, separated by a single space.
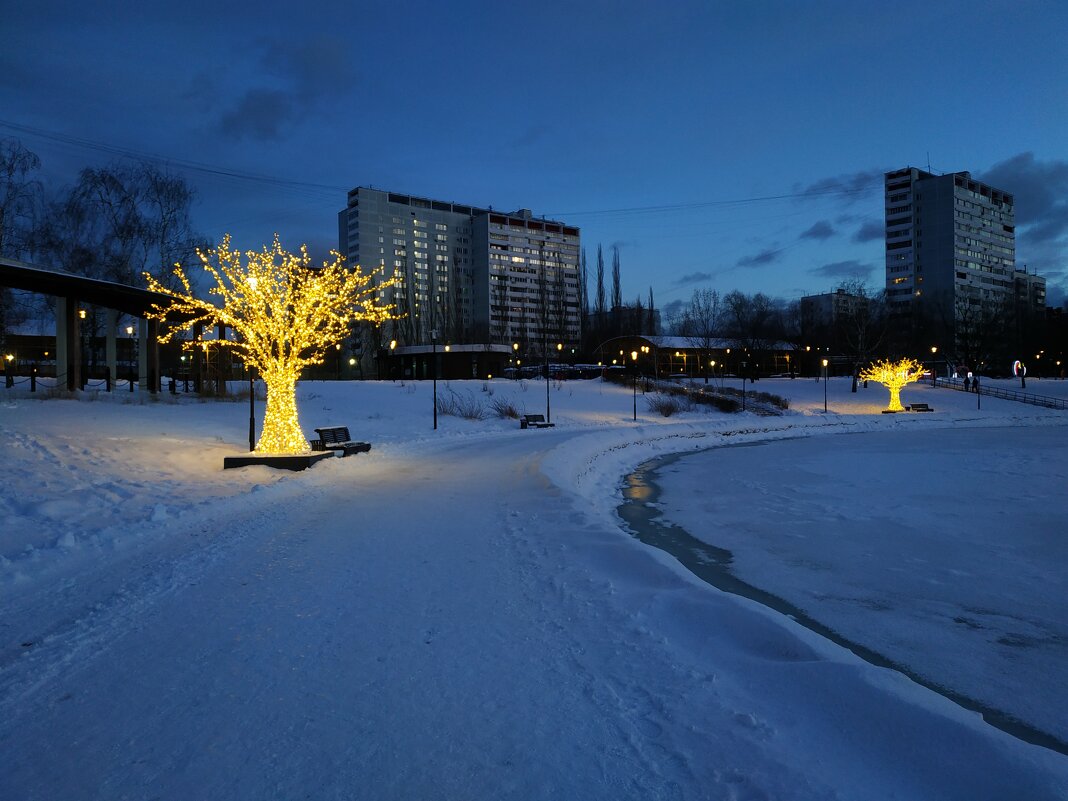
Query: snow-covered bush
pixel 504 408
pixel 666 405
pixel 466 406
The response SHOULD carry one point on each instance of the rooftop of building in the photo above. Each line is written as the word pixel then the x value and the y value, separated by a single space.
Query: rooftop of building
pixel 962 179
pixel 523 218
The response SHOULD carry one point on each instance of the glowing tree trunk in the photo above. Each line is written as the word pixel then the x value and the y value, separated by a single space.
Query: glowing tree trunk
pixel 281 425
pixel 895 399
pixel 894 376
pixel 286 314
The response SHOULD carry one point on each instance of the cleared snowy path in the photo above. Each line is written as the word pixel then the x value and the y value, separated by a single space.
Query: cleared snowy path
pixel 451 626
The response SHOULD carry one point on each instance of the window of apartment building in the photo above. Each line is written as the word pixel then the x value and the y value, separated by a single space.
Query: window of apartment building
pixel 441 227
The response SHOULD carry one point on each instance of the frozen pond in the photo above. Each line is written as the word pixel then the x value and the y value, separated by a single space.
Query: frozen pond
pixel 944 551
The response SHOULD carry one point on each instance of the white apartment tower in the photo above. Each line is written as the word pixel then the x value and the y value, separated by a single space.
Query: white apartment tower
pixel 469 274
pixel 950 240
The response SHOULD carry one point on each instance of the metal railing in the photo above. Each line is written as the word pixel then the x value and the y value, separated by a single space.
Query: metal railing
pixel 1006 394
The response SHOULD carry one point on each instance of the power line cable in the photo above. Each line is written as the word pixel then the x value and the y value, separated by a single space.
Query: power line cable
pixel 201 167
pixel 321 190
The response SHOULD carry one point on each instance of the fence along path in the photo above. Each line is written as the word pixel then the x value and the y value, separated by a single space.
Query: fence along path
pixel 1007 394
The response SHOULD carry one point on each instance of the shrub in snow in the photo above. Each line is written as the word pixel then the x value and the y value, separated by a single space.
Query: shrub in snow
pixel 666 405
pixel 504 408
pixel 455 405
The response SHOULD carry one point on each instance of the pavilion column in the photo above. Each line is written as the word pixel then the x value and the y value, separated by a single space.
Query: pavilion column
pixel 111 348
pixel 144 348
pixel 198 360
pixel 68 344
pixel 222 363
pixel 154 377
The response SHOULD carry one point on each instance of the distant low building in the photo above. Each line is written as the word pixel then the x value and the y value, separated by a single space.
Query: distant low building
pixel 828 308
pixel 666 356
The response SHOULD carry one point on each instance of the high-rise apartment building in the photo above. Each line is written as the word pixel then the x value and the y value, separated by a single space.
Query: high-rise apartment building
pixel 470 274
pixel 950 246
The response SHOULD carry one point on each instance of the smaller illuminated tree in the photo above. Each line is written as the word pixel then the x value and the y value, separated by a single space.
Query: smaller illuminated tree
pixel 893 376
pixel 286 314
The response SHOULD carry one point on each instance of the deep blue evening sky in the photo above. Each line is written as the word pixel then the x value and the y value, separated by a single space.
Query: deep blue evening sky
pixel 734 145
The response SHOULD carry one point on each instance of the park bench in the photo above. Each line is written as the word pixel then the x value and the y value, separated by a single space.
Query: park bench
pixel 534 421
pixel 336 438
pixel 919 407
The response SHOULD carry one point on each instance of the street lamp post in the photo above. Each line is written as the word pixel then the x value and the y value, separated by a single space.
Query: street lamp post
pixel 825 386
pixel 545 347
pixel 129 333
pixel 634 359
pixel 434 368
pixel 742 371
pixel 251 411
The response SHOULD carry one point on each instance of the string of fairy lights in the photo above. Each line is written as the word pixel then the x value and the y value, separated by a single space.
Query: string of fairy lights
pixel 286 316
pixel 894 376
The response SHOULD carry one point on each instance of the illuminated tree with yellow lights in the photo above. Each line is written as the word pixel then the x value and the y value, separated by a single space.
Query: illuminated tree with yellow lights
pixel 286 314
pixel 894 376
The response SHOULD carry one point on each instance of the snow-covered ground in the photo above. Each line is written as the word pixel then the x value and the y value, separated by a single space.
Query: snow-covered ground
pixel 461 614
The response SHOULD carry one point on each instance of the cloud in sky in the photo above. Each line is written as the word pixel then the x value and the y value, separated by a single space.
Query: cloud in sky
pixel 260 114
pixel 304 72
pixel 1056 288
pixel 694 278
pixel 764 257
pixel 870 232
pixel 844 269
pixel 820 230
pixel 671 310
pixel 849 187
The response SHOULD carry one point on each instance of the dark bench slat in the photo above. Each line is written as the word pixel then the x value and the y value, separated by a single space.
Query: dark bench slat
pixel 534 421
pixel 336 438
